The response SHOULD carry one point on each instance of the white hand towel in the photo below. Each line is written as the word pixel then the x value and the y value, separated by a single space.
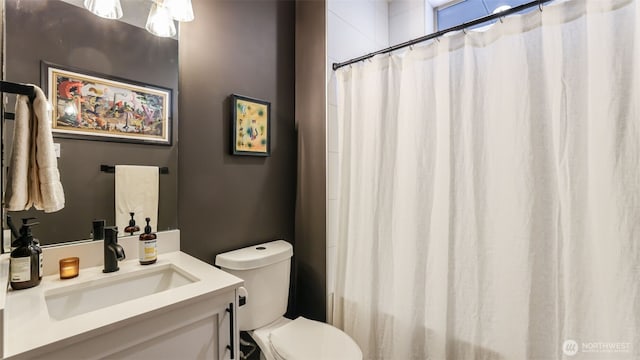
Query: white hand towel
pixel 137 191
pixel 34 179
pixel 17 195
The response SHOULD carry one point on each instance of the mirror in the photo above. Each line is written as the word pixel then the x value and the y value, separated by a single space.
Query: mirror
pixel 64 33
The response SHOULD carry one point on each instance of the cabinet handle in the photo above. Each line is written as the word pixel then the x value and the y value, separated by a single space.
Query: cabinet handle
pixel 231 337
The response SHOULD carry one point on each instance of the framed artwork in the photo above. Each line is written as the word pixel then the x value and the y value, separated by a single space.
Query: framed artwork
pixel 92 106
pixel 251 126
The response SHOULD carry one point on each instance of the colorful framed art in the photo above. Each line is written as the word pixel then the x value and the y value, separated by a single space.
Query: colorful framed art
pixel 251 126
pixel 93 106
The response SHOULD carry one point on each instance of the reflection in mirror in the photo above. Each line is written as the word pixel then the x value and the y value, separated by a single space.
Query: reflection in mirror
pixel 64 33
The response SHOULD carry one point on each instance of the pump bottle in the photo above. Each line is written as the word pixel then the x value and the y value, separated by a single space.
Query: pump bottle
pixel 147 250
pixel 25 263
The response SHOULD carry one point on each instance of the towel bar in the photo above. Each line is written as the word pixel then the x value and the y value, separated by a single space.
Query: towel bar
pixel 112 169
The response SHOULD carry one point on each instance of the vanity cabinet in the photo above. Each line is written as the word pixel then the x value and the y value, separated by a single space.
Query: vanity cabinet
pixel 178 308
pixel 201 328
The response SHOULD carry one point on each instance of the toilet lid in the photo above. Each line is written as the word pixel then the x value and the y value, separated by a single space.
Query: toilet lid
pixel 312 340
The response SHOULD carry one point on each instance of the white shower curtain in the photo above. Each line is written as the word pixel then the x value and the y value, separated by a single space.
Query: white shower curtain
pixel 490 191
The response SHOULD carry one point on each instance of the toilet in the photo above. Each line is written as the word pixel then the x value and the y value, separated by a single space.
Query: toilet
pixel 265 270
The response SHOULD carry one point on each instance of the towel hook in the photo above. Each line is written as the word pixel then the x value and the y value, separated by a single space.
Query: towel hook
pixel 540 5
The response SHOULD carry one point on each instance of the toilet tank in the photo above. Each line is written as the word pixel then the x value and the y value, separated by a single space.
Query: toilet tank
pixel 265 269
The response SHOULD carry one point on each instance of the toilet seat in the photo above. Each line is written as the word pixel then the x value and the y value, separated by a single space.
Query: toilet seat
pixel 304 339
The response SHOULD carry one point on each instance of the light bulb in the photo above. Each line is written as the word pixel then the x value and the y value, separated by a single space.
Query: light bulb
pixel 160 22
pixel 181 10
pixel 108 9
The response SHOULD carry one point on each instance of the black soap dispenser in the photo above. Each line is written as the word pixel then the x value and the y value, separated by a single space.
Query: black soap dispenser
pixel 132 228
pixel 25 263
pixel 147 249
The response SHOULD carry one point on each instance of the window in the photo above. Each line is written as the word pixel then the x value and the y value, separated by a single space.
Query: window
pixel 458 12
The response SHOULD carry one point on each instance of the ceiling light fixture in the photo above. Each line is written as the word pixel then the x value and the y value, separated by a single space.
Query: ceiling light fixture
pixel 108 9
pixel 502 8
pixel 160 22
pixel 181 10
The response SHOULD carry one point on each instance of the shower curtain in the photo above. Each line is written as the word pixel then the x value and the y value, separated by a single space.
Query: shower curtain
pixel 489 192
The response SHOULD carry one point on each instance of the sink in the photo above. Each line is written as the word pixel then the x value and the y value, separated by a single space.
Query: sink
pixel 77 299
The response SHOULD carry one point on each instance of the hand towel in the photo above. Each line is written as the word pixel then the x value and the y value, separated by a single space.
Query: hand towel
pixel 33 179
pixel 137 191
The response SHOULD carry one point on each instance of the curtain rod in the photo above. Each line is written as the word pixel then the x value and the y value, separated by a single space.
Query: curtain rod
pixel 437 34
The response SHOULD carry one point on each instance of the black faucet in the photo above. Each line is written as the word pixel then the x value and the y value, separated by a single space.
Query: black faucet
pixel 112 251
pixel 98 229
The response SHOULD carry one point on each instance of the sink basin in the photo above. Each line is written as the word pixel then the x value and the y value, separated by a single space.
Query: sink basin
pixel 73 300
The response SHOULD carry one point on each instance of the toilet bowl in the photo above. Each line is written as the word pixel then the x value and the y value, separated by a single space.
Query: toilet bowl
pixel 286 339
pixel 265 270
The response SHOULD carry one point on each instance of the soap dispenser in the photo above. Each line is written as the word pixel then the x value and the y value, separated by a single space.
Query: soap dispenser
pixel 25 263
pixel 132 228
pixel 147 249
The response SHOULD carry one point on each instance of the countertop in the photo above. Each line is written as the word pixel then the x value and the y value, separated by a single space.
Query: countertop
pixel 28 326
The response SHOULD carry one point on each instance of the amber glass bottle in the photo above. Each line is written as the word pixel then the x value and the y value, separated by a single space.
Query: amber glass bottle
pixel 147 249
pixel 25 263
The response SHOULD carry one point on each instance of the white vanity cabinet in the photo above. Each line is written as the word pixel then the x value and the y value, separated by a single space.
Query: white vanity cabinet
pixel 198 331
pixel 194 330
pixel 192 320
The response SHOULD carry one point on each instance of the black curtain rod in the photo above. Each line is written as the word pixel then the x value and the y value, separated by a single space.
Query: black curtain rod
pixel 112 169
pixel 437 34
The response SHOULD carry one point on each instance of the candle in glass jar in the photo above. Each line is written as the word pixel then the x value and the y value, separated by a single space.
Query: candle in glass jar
pixel 69 267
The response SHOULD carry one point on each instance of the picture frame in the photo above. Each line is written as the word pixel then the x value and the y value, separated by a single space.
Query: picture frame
pixel 91 106
pixel 251 126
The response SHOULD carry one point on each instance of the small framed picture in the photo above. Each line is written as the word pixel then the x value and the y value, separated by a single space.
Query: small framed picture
pixel 251 126
pixel 93 106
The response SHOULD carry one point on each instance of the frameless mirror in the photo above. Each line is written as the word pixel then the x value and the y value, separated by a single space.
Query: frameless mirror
pixel 66 34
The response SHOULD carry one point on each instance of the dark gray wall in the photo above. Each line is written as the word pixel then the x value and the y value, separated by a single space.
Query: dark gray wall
pixel 228 202
pixel 311 125
pixel 67 35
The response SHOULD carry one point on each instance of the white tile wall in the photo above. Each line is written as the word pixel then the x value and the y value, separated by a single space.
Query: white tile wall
pixel 429 18
pixel 359 15
pixel 406 20
pixel 381 34
pixel 344 41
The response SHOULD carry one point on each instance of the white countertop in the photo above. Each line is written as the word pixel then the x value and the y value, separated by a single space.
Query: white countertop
pixel 28 326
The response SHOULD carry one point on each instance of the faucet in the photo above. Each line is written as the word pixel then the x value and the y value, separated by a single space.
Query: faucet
pixel 112 251
pixel 98 230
